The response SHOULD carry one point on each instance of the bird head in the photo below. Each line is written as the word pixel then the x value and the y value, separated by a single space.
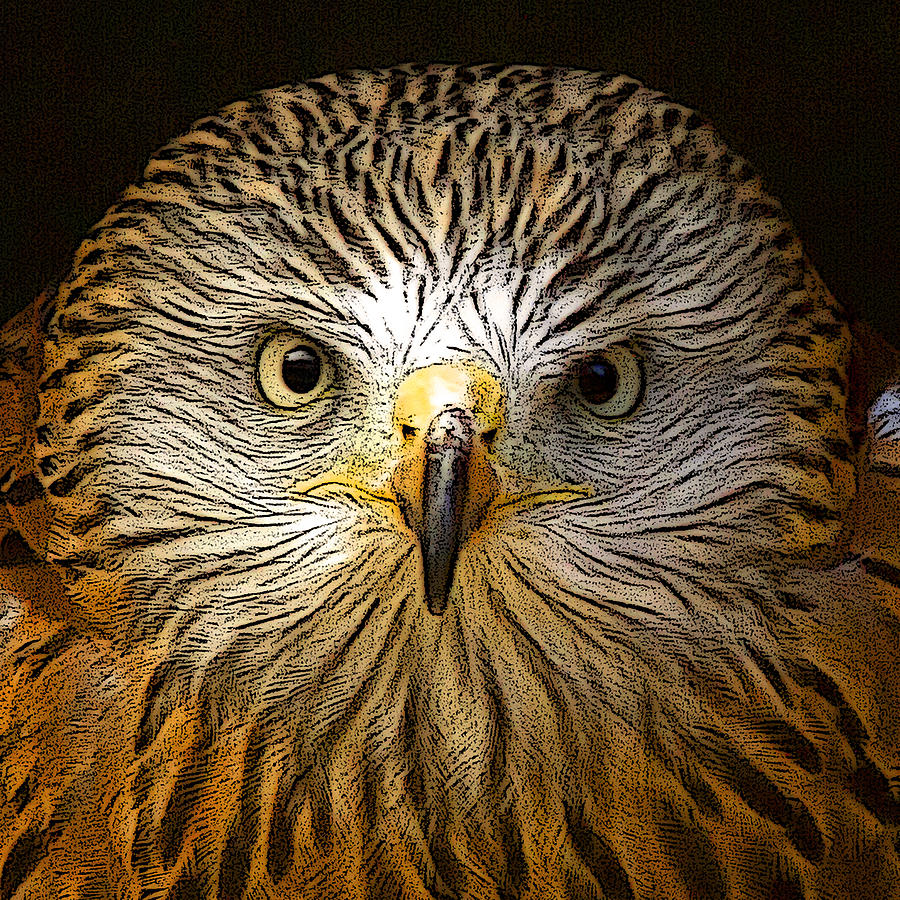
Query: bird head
pixel 433 422
pixel 558 306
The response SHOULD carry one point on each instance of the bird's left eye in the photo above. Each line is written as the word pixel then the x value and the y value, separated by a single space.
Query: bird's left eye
pixel 291 371
pixel 611 382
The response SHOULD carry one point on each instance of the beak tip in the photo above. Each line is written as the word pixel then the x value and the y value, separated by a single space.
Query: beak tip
pixel 436 604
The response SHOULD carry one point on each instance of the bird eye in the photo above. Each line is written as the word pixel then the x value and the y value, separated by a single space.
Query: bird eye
pixel 291 371
pixel 611 383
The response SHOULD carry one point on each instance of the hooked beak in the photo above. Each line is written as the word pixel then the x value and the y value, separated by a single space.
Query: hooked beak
pixel 446 483
pixel 444 486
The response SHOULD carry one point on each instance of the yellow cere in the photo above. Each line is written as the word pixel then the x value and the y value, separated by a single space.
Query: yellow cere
pixel 427 391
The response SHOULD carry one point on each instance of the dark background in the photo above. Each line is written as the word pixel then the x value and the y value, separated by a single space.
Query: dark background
pixel 807 91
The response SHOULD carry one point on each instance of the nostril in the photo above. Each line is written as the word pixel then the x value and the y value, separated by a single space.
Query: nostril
pixel 409 431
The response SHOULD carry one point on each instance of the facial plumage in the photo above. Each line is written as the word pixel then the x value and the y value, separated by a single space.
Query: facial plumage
pixel 626 694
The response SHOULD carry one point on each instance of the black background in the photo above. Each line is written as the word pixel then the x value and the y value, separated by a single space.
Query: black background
pixel 807 91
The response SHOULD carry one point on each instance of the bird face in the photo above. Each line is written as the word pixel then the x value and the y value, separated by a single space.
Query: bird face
pixel 611 319
pixel 436 425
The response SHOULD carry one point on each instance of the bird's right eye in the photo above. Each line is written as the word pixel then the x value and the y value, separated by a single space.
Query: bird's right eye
pixel 291 371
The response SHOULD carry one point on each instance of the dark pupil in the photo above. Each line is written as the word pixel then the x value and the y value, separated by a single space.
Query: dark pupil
pixel 301 369
pixel 598 381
